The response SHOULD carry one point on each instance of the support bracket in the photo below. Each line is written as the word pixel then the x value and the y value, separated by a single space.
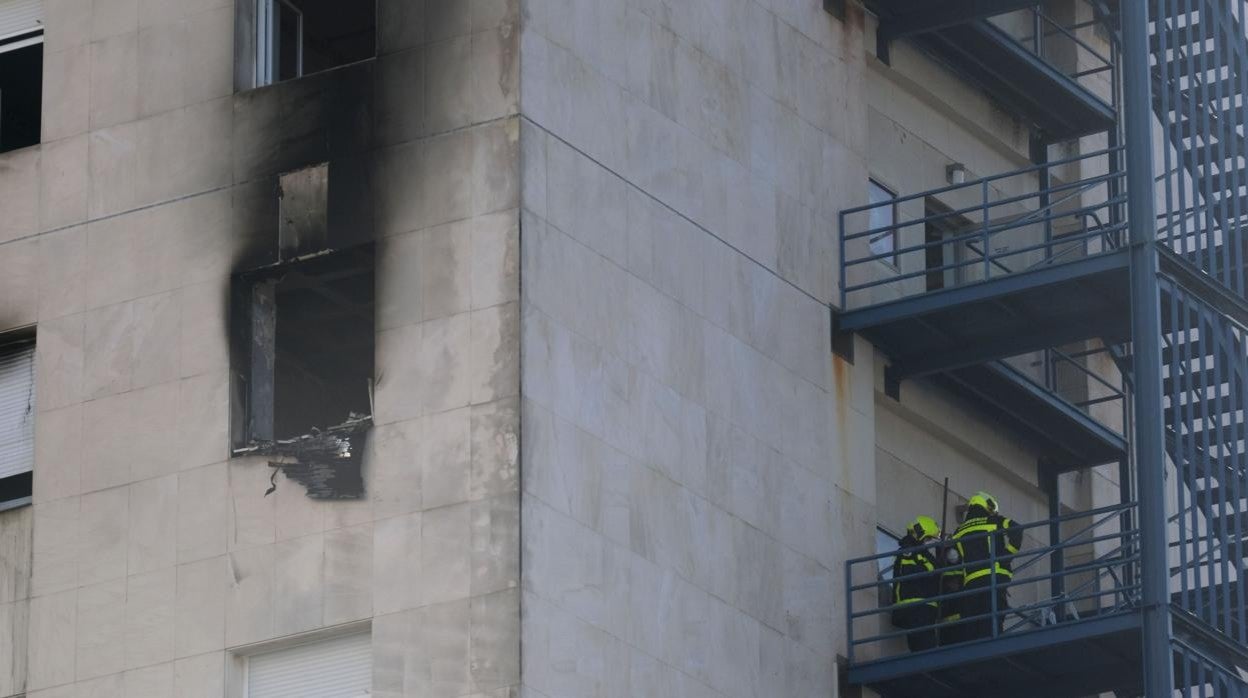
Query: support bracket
pixel 842 340
pixel 892 383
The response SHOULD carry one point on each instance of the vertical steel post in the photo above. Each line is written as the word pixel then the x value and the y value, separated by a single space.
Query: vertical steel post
pixel 1146 338
pixel 1057 558
pixel 987 261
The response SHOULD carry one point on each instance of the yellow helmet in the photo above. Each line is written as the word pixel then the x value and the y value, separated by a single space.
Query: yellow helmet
pixel 924 527
pixel 983 500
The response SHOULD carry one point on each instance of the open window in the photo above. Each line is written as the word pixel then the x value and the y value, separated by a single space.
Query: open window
pixel 17 419
pixel 883 244
pixel 293 38
pixel 304 367
pixel 303 343
pixel 948 264
pixel 885 542
pixel 21 73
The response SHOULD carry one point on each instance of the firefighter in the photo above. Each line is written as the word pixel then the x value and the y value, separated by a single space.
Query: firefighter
pixel 916 584
pixel 950 583
pixel 983 534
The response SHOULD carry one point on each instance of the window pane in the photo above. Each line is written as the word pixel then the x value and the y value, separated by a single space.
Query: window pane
pixel 885 543
pixel 881 216
pixel 17 411
pixel 290 41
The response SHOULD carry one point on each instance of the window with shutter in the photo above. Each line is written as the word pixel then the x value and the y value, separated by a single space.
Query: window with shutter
pixel 20 17
pixel 336 667
pixel 17 422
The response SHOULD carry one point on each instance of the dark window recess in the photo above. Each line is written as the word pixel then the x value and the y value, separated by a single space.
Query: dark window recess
pixel 21 91
pixel 303 357
pixel 315 35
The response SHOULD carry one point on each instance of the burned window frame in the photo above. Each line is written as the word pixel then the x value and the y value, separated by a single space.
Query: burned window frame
pixel 18 490
pixel 326 457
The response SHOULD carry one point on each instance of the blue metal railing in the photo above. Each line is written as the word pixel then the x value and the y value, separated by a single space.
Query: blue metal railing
pixel 987 232
pixel 1050 38
pixel 1064 593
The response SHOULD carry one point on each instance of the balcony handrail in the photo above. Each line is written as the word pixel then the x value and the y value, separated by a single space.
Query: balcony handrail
pixel 986 217
pixel 990 178
pixel 1064 240
pixel 1122 586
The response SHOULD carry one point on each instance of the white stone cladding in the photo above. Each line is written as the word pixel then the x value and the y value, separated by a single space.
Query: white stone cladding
pixel 638 473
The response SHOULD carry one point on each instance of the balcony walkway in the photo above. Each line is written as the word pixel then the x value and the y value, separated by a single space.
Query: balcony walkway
pixel 1088 657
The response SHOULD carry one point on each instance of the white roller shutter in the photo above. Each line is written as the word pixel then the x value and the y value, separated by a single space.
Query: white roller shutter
pixel 339 667
pixel 17 410
pixel 20 16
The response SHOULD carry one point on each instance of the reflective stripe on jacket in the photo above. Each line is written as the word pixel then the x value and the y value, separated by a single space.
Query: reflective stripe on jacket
pixel 976 549
pixel 912 578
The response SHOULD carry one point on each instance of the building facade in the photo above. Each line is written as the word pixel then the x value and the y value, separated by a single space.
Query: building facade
pixel 572 348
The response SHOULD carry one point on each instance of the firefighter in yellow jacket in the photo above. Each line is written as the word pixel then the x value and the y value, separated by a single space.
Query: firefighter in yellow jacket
pixel 916 584
pixel 980 541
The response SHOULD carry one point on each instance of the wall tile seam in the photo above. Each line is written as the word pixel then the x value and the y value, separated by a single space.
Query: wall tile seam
pixel 980 460
pixel 377 149
pixel 778 19
pixel 994 144
pixel 119 214
pixel 698 49
pixel 952 439
pixel 747 342
pixel 623 641
pixel 749 429
pixel 665 206
pixel 710 504
pixel 390 145
pixel 241 182
pixel 453 221
pixel 581 432
pixel 447 315
pixel 685 128
pixel 919 92
pixel 674 572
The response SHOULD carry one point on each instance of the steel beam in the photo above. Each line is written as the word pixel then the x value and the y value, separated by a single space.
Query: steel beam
pixel 929 16
pixel 1157 665
pixel 1012 643
pixel 980 291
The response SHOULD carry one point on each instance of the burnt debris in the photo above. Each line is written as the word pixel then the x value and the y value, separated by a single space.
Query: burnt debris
pixel 326 462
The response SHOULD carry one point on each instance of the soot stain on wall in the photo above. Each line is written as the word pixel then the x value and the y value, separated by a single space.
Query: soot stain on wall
pixel 322 118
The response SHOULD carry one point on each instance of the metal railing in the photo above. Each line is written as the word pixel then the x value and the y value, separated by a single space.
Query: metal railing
pixel 1054 587
pixel 982 229
pixel 1070 374
pixel 1066 44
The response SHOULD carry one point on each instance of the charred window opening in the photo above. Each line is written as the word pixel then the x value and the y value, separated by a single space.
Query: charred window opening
pixel 17 418
pixel 21 73
pixel 304 340
pixel 300 37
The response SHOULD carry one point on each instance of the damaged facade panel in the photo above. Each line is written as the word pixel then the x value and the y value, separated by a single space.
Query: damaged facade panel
pixel 304 346
pixel 302 298
pixel 318 126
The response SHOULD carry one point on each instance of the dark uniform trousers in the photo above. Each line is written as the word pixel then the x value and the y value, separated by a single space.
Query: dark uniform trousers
pixel 914 582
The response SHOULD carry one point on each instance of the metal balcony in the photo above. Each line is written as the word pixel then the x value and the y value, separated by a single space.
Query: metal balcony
pixel 1012 66
pixel 1072 628
pixel 990 268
